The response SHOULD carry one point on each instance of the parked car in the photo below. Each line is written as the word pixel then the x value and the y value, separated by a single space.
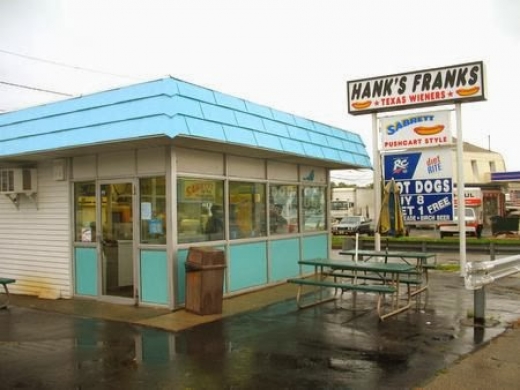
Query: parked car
pixel 314 222
pixel 352 225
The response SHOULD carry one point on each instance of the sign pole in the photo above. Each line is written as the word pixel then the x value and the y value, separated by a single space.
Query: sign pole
pixel 461 204
pixel 377 179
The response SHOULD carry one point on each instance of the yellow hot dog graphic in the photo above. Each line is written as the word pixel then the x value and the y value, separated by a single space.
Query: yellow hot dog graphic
pixel 362 105
pixel 429 130
pixel 467 91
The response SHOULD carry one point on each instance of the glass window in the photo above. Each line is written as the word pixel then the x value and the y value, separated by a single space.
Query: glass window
pixel 247 214
pixel 492 166
pixel 314 208
pixel 85 211
pixel 283 209
pixel 200 210
pixel 153 210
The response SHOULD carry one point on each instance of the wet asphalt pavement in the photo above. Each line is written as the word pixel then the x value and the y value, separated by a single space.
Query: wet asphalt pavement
pixel 279 347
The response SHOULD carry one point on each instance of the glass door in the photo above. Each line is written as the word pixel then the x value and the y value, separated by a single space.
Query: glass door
pixel 116 239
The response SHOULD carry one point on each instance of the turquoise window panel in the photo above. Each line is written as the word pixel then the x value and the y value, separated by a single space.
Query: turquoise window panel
pixel 259 110
pixel 177 125
pixel 230 101
pixel 313 150
pixel 201 128
pixel 347 157
pixel 292 146
pixel 77 137
pixel 317 138
pixel 330 154
pixel 218 114
pixel 154 277
pixel 182 255
pixel 349 146
pixel 315 247
pixel 268 141
pixel 239 135
pixel 247 265
pixel 357 159
pixel 249 121
pixel 352 137
pixel 104 98
pixel 322 128
pixel 283 117
pixel 298 133
pixel 129 110
pixel 186 106
pixel 364 160
pixel 196 92
pixel 305 123
pixel 356 138
pixel 86 271
pixel 276 128
pixel 332 141
pixel 285 255
pixel 360 149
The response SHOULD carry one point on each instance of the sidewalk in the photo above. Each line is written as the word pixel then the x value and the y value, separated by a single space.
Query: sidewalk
pixel 164 319
pixel 495 365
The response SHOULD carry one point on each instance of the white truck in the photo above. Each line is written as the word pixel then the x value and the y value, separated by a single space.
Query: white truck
pixel 474 215
pixel 342 203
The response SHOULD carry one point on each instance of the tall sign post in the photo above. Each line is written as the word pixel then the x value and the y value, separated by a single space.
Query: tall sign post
pixel 460 192
pixel 431 87
pixel 377 174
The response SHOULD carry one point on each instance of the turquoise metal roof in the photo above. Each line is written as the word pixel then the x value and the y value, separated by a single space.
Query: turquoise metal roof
pixel 173 108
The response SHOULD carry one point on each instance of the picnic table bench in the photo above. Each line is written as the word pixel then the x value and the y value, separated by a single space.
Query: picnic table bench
pixel 379 289
pixel 421 262
pixel 4 282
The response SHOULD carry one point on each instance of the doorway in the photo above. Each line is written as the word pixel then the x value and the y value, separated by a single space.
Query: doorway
pixel 116 240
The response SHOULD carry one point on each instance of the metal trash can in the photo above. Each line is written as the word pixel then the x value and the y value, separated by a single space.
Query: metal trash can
pixel 505 225
pixel 205 280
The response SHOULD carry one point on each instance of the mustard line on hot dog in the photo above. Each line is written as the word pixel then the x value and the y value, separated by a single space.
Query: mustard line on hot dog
pixel 467 91
pixel 428 130
pixel 362 105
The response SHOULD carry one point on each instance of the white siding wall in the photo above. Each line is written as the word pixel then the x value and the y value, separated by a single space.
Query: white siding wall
pixel 35 243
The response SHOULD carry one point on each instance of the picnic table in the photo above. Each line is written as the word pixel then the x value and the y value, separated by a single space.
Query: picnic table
pixel 387 283
pixel 367 254
pixel 421 262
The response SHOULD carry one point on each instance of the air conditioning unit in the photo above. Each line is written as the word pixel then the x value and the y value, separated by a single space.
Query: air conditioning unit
pixel 18 181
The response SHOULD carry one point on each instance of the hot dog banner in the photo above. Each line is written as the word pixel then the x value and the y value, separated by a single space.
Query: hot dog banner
pixel 419 130
pixel 425 182
pixel 197 190
pixel 446 85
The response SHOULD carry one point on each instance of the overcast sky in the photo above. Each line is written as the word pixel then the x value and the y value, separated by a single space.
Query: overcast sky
pixel 294 55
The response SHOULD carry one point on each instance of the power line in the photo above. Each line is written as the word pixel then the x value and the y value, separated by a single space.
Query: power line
pixel 35 88
pixel 65 65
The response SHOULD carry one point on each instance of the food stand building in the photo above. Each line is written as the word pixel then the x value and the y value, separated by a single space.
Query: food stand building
pixel 104 194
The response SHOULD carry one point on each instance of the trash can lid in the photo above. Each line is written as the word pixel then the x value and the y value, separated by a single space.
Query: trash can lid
pixel 206 256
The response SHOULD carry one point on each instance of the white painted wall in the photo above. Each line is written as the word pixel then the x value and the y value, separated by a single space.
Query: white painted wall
pixel 35 242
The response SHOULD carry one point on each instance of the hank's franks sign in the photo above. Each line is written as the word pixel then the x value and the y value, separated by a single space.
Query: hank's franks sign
pixel 453 84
